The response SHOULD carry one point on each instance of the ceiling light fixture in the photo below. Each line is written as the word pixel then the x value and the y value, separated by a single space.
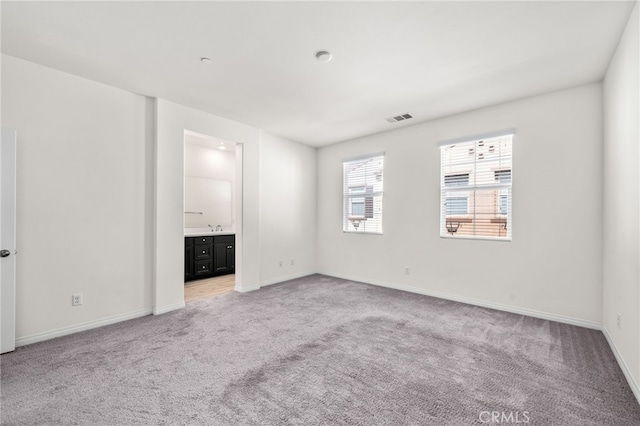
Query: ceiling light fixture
pixel 206 61
pixel 221 146
pixel 323 56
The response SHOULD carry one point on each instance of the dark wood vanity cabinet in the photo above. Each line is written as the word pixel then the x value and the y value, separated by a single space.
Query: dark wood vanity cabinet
pixel 208 256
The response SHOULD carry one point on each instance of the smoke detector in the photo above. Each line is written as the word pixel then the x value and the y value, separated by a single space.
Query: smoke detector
pixel 323 56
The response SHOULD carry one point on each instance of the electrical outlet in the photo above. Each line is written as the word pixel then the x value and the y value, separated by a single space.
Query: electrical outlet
pixel 619 321
pixel 280 263
pixel 406 270
pixel 76 299
pixel 293 262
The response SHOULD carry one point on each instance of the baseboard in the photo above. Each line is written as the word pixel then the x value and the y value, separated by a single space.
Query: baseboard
pixel 272 281
pixel 286 278
pixel 476 302
pixel 168 308
pixel 40 337
pixel 623 365
pixel 246 289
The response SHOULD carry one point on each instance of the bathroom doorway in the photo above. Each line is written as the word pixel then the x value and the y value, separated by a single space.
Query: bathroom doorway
pixel 212 216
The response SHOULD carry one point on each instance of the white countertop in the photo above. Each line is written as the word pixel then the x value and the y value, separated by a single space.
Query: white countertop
pixel 204 232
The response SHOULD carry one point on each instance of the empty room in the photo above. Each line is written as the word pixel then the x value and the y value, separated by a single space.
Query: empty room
pixel 320 213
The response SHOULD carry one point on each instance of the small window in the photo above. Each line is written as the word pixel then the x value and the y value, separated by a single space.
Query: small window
pixel 362 193
pixel 476 188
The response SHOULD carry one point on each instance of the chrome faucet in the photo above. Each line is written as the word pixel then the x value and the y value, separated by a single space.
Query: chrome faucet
pixel 218 228
pixel 210 227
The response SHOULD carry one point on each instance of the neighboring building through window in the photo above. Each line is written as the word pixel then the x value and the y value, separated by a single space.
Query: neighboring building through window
pixel 457 202
pixel 362 194
pixel 503 176
pixel 475 183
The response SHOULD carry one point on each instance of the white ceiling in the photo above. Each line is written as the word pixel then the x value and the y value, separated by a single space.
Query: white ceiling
pixel 429 59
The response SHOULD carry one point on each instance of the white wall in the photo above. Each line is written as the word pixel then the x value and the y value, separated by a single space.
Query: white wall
pixel 553 266
pixel 172 121
pixel 100 200
pixel 621 292
pixel 265 232
pixel 84 174
pixel 287 209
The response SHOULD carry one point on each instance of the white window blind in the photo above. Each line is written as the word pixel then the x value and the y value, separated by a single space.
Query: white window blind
pixel 362 194
pixel 475 188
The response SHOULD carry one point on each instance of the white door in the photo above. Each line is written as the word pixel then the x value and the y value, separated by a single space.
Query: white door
pixel 7 240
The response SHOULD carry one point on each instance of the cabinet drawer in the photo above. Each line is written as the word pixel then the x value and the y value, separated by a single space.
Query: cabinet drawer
pixel 225 239
pixel 202 252
pixel 203 267
pixel 203 240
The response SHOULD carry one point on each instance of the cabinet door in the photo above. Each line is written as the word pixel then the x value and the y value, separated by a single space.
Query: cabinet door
pixel 221 258
pixel 224 254
pixel 231 257
pixel 188 260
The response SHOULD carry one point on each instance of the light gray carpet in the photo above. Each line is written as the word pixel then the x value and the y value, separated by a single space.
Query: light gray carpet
pixel 319 351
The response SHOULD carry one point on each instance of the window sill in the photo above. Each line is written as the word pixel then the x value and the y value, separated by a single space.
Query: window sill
pixel 468 237
pixel 362 232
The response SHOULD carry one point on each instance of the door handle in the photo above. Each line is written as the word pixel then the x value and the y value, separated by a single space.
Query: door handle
pixel 5 253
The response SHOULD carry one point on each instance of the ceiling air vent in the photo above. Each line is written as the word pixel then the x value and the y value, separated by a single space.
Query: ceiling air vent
pixel 397 118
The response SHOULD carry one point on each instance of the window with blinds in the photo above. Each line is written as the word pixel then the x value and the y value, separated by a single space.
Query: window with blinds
pixel 362 194
pixel 475 187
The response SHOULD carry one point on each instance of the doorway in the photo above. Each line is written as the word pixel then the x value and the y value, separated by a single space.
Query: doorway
pixel 212 216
